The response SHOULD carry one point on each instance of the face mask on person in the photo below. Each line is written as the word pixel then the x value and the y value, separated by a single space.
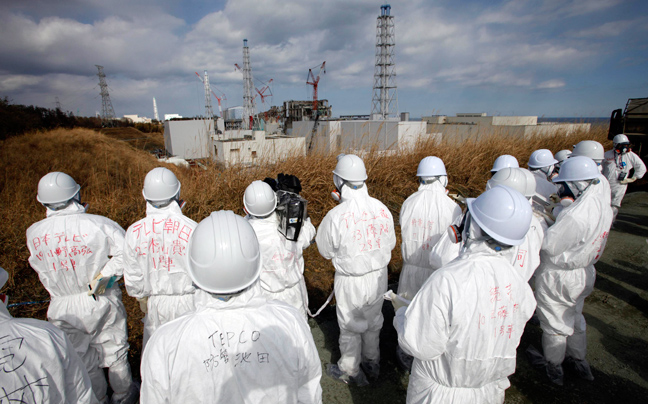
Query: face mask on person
pixel 622 148
pixel 566 195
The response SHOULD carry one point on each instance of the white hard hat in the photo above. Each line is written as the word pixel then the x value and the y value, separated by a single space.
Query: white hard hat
pixel 160 184
pixel 620 138
pixel 530 183
pixel 589 148
pixel 541 158
pixel 503 213
pixel 224 254
pixel 513 178
pixel 505 160
pixel 56 187
pixel 259 199
pixel 431 166
pixel 351 168
pixel 576 169
pixel 562 155
pixel 4 277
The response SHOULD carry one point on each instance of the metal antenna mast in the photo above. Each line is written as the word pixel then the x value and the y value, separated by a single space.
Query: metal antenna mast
pixel 155 111
pixel 58 104
pixel 209 111
pixel 249 108
pixel 384 104
pixel 107 111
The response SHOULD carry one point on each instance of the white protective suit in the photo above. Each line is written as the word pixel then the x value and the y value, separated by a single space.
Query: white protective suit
pixel 525 257
pixel 245 350
pixel 424 218
pixel 282 276
pixel 544 187
pixel 358 236
pixel 155 265
pixel 566 274
pixel 68 249
pixel 463 328
pixel 38 364
pixel 615 164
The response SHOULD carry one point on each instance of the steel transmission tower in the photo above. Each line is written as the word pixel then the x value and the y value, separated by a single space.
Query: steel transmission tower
pixel 249 108
pixel 107 111
pixel 384 104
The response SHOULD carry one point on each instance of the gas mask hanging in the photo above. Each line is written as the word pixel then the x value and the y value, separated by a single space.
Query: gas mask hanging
pixel 569 191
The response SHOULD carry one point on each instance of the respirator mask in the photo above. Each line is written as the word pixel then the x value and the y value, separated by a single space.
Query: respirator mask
pixel 622 148
pixel 337 193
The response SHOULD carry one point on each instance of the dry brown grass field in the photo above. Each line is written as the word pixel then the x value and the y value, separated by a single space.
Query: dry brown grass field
pixel 111 173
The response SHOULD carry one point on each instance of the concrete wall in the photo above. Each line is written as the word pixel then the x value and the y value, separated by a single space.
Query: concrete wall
pixel 361 135
pixel 257 149
pixel 463 132
pixel 188 139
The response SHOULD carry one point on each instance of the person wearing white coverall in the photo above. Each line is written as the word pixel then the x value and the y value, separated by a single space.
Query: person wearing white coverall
pixel 238 346
pixel 566 274
pixel 616 168
pixel 541 164
pixel 595 151
pixel 525 257
pixel 358 236
pixel 70 250
pixel 155 254
pixel 282 275
pixel 424 217
pixel 464 325
pixel 38 361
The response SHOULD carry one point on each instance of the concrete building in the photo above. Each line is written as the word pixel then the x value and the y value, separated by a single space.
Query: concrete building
pixel 137 119
pixel 197 139
pixel 356 135
pixel 248 147
pixel 467 126
pixel 168 117
pixel 188 139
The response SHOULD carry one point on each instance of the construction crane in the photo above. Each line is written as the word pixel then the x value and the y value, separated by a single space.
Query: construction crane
pixel 314 81
pixel 219 99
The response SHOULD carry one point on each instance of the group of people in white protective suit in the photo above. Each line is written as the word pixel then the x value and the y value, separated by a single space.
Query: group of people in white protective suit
pixel 226 302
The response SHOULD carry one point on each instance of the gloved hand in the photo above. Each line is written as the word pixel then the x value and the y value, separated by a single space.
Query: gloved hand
pixel 96 286
pixel 628 180
pixel 143 303
pixel 397 301
pixel 554 198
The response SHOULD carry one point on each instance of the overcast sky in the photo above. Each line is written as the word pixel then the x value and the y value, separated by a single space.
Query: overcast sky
pixel 552 58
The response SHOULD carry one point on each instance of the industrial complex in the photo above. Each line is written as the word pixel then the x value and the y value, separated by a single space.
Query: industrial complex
pixel 241 135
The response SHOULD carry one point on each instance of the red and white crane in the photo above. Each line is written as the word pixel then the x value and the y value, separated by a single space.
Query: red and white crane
pixel 314 81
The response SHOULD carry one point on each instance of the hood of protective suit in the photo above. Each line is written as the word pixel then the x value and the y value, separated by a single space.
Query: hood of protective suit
pixel 349 193
pixel 433 186
pixel 72 209
pixel 205 299
pixel 171 209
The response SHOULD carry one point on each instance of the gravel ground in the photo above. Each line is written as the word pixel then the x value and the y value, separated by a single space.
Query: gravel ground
pixel 616 314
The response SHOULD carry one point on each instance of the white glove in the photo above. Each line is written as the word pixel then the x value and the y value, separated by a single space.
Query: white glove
pixel 99 284
pixel 143 303
pixel 397 301
pixel 628 180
